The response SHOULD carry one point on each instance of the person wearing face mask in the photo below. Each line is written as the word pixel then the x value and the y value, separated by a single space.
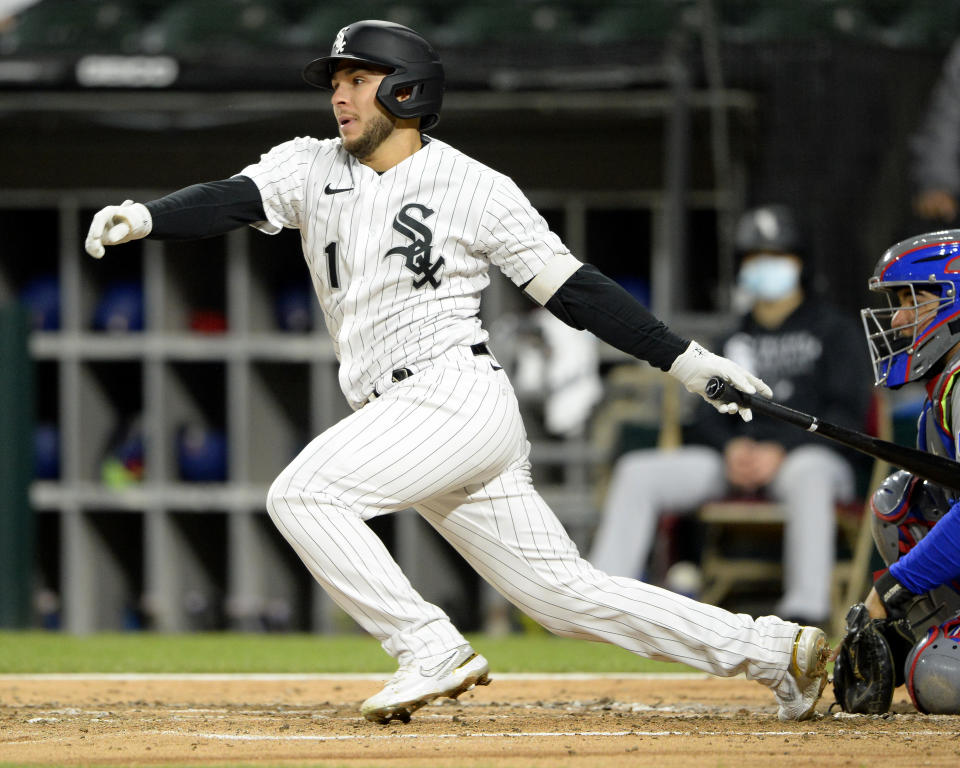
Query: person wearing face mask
pixel 812 357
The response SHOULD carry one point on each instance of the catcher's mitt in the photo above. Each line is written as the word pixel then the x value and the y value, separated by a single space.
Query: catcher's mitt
pixel 869 663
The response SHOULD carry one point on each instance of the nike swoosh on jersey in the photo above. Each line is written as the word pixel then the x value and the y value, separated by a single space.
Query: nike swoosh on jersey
pixel 434 670
pixel 328 190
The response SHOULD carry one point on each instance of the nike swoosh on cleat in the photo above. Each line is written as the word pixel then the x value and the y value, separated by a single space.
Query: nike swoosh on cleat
pixel 434 670
pixel 328 190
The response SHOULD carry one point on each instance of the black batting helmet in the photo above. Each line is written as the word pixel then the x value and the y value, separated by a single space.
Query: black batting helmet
pixel 769 228
pixel 412 61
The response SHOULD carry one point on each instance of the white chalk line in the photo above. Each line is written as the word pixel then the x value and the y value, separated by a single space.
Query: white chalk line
pixel 159 713
pixel 533 734
pixel 195 737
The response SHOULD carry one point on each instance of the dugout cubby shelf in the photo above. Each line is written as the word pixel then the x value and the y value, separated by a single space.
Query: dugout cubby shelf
pixel 47 568
pixel 280 297
pixel 193 288
pixel 282 420
pixel 109 405
pixel 111 296
pixel 31 252
pixel 102 572
pixel 130 533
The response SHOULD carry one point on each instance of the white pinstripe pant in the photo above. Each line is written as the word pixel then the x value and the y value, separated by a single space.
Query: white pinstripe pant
pixel 449 442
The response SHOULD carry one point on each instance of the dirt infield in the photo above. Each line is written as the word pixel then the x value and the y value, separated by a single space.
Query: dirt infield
pixel 513 722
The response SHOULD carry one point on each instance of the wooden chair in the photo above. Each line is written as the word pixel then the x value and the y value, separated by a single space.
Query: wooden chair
pixel 642 408
pixel 728 521
pixel 638 396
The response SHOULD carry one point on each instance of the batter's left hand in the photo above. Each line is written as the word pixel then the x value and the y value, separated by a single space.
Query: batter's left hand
pixel 696 366
pixel 117 224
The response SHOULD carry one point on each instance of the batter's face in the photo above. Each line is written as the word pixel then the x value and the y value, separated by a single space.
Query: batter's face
pixel 364 124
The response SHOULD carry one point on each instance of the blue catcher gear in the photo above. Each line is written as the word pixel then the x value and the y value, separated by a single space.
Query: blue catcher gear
pixel 932 671
pixel 930 325
pixel 905 508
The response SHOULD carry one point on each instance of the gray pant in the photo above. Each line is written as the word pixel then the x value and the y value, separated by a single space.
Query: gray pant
pixel 645 484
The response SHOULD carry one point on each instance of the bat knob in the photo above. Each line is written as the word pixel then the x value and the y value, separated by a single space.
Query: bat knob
pixel 715 388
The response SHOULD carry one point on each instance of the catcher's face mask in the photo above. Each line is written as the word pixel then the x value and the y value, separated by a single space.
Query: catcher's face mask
pixel 895 332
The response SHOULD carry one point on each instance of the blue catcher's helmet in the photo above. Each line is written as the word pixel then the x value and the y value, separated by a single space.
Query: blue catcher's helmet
pixel 930 324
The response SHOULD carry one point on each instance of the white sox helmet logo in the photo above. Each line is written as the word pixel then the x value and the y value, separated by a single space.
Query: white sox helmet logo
pixel 339 42
pixel 417 254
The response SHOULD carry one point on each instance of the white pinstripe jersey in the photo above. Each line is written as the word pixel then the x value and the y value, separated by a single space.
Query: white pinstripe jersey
pixel 398 259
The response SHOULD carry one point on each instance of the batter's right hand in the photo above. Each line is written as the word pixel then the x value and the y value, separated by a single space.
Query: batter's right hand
pixel 696 366
pixel 117 224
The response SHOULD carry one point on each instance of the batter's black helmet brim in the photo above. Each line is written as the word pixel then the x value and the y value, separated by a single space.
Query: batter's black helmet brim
pixel 319 72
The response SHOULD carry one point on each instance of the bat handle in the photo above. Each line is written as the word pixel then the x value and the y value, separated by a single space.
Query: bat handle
pixel 717 389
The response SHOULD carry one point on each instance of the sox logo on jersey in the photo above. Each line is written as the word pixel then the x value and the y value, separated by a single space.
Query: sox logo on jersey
pixel 417 254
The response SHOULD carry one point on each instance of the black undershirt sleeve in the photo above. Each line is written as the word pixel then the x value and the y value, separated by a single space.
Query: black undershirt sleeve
pixel 590 300
pixel 207 209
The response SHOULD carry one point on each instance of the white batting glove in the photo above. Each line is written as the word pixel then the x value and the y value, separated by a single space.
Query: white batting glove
pixel 117 224
pixel 695 366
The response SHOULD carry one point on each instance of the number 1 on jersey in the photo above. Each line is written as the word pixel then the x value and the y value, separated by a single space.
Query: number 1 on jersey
pixel 331 251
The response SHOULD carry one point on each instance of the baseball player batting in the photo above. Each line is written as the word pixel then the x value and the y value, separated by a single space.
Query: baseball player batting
pixel 399 231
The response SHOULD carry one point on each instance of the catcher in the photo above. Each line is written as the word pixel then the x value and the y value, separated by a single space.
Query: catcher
pixel 908 627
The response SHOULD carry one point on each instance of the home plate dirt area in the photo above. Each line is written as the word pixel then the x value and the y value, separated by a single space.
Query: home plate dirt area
pixel 682 720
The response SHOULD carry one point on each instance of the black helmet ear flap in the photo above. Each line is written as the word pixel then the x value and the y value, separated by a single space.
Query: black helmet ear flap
pixel 422 92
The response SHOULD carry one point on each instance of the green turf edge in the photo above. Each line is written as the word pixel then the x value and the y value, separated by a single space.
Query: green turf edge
pixel 50 652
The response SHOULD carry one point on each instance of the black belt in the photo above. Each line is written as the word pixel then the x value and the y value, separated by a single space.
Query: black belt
pixel 405 373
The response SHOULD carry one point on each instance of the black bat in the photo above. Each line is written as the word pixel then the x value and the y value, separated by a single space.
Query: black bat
pixel 929 466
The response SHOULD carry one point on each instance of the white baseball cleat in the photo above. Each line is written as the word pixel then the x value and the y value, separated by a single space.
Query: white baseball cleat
pixel 806 677
pixel 414 685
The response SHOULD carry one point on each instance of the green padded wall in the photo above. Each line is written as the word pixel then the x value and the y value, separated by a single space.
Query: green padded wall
pixel 16 469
